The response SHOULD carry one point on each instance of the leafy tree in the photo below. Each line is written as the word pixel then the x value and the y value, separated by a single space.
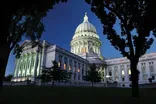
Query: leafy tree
pixel 45 77
pixel 8 78
pixel 137 23
pixel 150 80
pixel 54 73
pixel 93 75
pixel 21 20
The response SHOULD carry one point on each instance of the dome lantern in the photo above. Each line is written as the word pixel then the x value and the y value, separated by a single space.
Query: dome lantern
pixel 85 19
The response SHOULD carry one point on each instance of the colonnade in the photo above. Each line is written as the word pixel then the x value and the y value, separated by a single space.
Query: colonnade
pixel 79 47
pixel 27 65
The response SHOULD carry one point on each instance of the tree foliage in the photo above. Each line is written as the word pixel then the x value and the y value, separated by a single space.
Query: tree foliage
pixel 22 20
pixel 137 24
pixel 8 77
pixel 55 73
pixel 93 75
pixel 27 22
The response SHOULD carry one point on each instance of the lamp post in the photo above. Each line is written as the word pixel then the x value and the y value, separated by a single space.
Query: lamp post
pixel 107 76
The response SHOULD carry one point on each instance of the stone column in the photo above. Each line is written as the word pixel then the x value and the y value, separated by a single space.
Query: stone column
pixel 80 72
pixel 43 53
pixel 26 64
pixel 33 67
pixel 105 73
pixel 113 77
pixel 19 67
pixel 99 51
pixel 120 79
pixel 72 70
pixel 148 70
pixel 16 67
pixel 23 69
pixel 126 73
pixel 67 66
pixel 73 49
pixel 39 64
pixel 36 64
pixel 140 75
pixel 30 66
pixel 77 71
pixel 62 64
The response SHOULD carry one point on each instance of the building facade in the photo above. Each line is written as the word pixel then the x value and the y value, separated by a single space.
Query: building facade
pixel 85 50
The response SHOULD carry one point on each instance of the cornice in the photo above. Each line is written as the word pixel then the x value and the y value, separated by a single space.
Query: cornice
pixel 69 54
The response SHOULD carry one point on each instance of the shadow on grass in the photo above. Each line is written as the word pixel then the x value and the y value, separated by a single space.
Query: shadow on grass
pixel 73 95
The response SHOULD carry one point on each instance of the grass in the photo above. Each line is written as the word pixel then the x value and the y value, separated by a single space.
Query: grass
pixel 73 95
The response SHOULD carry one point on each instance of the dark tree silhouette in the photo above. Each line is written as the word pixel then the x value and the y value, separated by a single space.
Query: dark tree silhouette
pixel 131 15
pixel 54 73
pixel 150 80
pixel 45 77
pixel 93 75
pixel 8 78
pixel 21 20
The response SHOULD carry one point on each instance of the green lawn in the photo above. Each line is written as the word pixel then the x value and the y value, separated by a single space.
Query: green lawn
pixel 74 95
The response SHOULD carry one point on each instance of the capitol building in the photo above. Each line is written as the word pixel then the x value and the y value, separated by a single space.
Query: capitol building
pixel 85 50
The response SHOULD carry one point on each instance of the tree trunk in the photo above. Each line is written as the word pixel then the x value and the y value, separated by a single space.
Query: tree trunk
pixel 92 84
pixel 53 83
pixel 4 55
pixel 134 77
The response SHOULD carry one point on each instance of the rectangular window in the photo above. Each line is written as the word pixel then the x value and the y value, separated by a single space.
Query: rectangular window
pixel 65 66
pixel 65 63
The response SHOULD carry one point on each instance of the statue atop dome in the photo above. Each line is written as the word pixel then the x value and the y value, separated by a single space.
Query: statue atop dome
pixel 85 19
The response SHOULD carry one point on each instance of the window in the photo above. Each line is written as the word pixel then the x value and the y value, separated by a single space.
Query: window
pixel 110 73
pixel 144 77
pixel 82 68
pixel 60 61
pixel 123 72
pixel 151 69
pixel 78 68
pixel 83 49
pixel 123 79
pixel 65 66
pixel 78 77
pixel 129 72
pixel 70 64
pixel 116 79
pixel 153 77
pixel 129 77
pixel 116 72
pixel 65 63
pixel 74 76
pixel 143 69
pixel 69 67
pixel 74 66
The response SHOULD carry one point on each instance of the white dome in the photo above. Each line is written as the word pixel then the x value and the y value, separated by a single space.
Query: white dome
pixel 85 28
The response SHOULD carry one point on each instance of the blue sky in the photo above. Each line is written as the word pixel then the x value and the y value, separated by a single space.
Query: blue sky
pixel 61 22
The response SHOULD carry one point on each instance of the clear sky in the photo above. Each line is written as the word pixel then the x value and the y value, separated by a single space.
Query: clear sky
pixel 61 22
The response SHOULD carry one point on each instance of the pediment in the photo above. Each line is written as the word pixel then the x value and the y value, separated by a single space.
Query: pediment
pixel 26 44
